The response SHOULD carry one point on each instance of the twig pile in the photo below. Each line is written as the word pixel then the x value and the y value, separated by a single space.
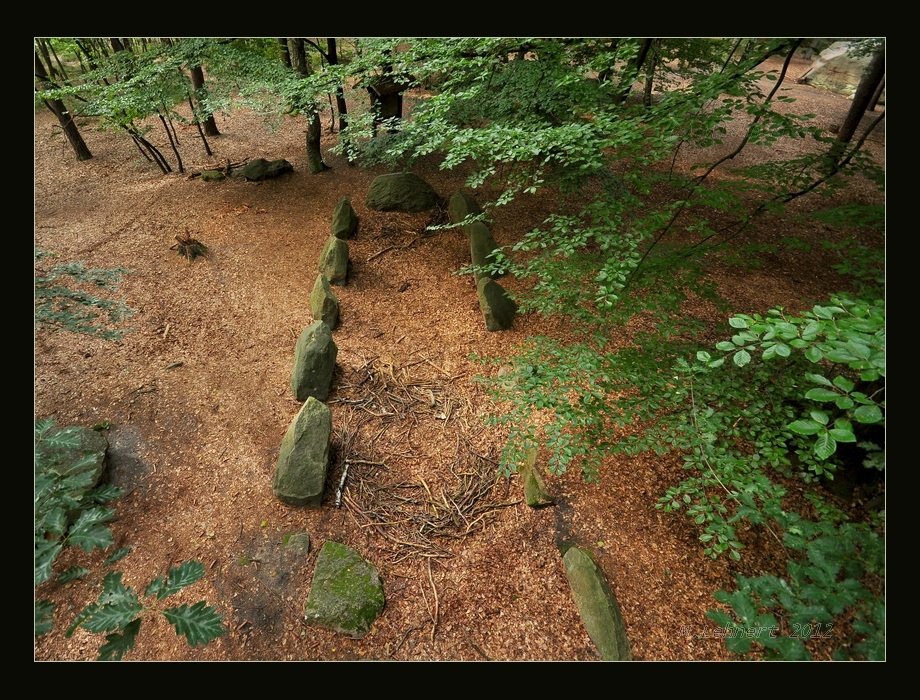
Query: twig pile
pixel 411 515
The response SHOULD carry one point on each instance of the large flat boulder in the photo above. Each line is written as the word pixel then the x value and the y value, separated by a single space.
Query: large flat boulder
pixel 401 192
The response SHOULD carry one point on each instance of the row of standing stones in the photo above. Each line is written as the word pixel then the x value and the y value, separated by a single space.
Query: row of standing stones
pixel 346 594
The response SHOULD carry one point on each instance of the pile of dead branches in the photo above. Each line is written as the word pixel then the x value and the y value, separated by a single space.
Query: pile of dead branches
pixel 413 517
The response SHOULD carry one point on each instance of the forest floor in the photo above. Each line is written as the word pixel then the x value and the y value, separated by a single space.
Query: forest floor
pixel 197 399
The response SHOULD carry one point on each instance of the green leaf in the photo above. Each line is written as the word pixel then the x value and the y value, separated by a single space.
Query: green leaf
pixel 199 624
pixel 44 617
pixel 787 648
pixel 741 358
pixel 819 416
pixel 736 322
pixel 117 645
pixel 825 446
pixel 89 533
pixel 46 552
pixel 725 346
pixel 178 578
pixel 842 435
pixel 738 644
pixel 868 414
pixel 112 616
pixel 821 394
pixel 721 618
pixel 814 354
pixel 806 427
pixel 843 384
pixel 73 573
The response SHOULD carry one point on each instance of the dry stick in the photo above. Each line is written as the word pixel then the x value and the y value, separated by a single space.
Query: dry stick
pixel 475 646
pixel 435 591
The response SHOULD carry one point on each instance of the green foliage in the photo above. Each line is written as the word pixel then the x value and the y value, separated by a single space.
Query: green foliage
pixel 118 612
pixel 68 514
pixel 838 569
pixel 66 299
pixel 629 240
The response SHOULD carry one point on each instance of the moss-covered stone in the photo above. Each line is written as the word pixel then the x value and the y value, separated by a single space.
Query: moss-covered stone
pixel 346 594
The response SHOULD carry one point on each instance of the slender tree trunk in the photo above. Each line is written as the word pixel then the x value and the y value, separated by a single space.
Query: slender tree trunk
pixel 873 103
pixel 314 130
pixel 285 52
pixel 64 117
pixel 340 104
pixel 871 79
pixel 210 127
pixel 650 77
pixel 629 75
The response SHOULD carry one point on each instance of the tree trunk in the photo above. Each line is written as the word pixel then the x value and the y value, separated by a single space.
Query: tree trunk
pixel 64 117
pixel 877 96
pixel 285 52
pixel 630 73
pixel 314 129
pixel 874 75
pixel 314 155
pixel 210 127
pixel 340 104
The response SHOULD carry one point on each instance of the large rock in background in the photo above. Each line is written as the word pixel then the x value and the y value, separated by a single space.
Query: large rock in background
pixel 401 192
pixel 482 245
pixel 462 205
pixel 346 594
pixel 261 169
pixel 303 459
pixel 837 71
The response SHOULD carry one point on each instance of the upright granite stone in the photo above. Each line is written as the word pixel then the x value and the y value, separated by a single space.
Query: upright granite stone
pixel 482 245
pixel 535 493
pixel 324 305
pixel 346 594
pixel 498 309
pixel 314 362
pixel 303 459
pixel 344 220
pixel 400 192
pixel 597 606
pixel 333 261
pixel 461 206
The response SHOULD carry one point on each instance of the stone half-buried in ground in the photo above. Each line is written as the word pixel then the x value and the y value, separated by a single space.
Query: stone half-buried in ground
pixel 346 594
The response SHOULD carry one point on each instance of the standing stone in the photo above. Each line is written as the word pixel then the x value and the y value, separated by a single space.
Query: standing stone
pixel 333 261
pixel 461 205
pixel 303 459
pixel 344 220
pixel 482 245
pixel 324 304
pixel 597 605
pixel 497 307
pixel 314 362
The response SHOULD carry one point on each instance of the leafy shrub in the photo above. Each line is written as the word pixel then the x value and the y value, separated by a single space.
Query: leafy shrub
pixel 69 512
